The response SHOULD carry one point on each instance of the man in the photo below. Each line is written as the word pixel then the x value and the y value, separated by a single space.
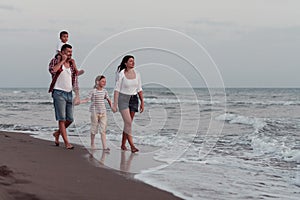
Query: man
pixel 64 80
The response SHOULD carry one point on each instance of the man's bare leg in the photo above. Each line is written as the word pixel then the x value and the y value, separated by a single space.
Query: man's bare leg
pixel 63 125
pixel 57 133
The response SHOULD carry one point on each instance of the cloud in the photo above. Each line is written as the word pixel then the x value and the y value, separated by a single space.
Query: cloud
pixel 7 7
pixel 66 21
pixel 14 30
pixel 26 30
pixel 211 22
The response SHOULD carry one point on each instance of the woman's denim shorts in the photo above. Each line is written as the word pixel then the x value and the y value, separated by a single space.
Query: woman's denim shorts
pixel 128 101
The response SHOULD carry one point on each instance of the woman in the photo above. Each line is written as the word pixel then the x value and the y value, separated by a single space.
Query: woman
pixel 128 88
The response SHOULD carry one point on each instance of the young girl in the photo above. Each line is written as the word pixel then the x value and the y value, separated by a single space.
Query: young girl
pixel 98 110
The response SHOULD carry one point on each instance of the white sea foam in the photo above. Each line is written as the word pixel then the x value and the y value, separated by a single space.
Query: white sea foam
pixel 176 101
pixel 263 144
pixel 256 123
pixel 265 103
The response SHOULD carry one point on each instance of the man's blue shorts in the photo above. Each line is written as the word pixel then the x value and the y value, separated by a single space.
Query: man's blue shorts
pixel 63 105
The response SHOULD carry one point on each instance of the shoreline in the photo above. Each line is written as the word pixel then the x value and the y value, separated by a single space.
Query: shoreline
pixel 32 168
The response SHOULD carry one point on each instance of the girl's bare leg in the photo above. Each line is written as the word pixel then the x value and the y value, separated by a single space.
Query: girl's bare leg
pixel 93 141
pixel 103 139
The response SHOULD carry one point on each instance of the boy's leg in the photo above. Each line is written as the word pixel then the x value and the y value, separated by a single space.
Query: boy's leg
pixel 80 72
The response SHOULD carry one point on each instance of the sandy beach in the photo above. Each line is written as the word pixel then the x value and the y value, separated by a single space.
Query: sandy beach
pixel 36 169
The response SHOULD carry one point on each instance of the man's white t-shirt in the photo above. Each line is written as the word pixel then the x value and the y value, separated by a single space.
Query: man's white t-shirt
pixel 64 80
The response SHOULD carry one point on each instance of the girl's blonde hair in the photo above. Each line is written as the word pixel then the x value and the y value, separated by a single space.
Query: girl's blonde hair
pixel 98 78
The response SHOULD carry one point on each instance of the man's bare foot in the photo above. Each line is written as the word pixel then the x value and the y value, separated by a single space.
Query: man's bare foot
pixel 56 136
pixel 69 146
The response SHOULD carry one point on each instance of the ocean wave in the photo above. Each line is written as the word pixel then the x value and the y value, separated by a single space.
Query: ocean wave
pixel 266 138
pixel 25 128
pixel 257 123
pixel 176 101
pixel 264 103
pixel 26 102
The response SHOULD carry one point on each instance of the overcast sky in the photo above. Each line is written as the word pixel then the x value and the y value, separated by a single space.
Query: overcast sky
pixel 254 43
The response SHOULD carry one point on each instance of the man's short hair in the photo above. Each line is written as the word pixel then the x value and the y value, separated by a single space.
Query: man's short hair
pixel 65 46
pixel 62 33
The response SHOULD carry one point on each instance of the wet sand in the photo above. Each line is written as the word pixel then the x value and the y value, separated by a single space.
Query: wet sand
pixel 36 169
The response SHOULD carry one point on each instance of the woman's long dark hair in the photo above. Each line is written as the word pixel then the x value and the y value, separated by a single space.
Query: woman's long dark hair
pixel 124 60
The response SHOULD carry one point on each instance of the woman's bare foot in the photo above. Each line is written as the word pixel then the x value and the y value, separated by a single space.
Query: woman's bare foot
pixel 106 149
pixel 124 148
pixel 134 149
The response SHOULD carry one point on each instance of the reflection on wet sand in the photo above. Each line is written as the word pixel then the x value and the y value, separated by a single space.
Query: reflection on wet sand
pixel 124 161
pixel 99 161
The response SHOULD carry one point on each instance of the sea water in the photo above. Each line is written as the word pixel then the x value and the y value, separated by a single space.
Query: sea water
pixel 243 146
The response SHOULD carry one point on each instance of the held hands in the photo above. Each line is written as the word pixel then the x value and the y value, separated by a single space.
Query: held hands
pixel 114 108
pixel 76 100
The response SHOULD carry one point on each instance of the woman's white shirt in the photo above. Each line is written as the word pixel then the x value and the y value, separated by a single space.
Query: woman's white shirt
pixel 128 86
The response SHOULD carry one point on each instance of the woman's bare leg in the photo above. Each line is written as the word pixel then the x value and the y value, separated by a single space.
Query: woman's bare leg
pixel 129 137
pixel 124 139
pixel 127 118
pixel 127 126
